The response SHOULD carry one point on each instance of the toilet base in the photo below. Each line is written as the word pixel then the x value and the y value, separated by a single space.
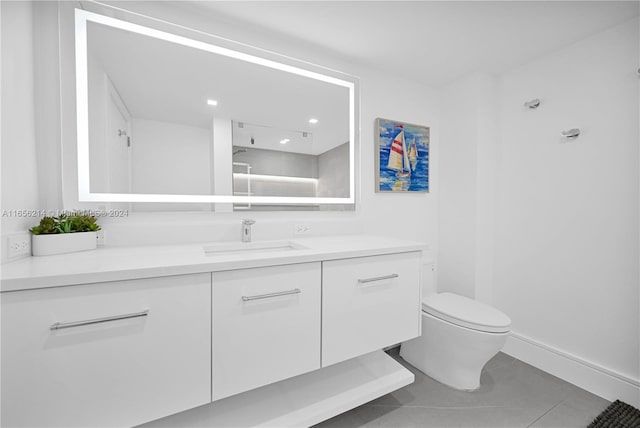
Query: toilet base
pixel 450 354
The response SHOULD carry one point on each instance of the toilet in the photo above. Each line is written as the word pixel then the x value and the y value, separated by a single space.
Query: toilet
pixel 459 336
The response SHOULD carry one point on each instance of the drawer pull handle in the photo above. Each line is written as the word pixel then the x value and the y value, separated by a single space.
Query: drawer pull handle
pixel 266 296
pixel 378 278
pixel 61 325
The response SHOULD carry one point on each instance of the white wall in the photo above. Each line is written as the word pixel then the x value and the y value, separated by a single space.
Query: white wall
pixel 467 186
pixel 47 107
pixel 98 154
pixel 19 171
pixel 544 228
pixel 221 160
pixel 406 216
pixel 381 96
pixel 333 172
pixel 567 256
pixel 170 158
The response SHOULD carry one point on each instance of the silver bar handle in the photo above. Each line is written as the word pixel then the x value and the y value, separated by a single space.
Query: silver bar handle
pixel 61 325
pixel 378 278
pixel 266 296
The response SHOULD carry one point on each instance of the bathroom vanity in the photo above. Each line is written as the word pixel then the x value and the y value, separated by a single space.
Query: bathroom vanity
pixel 285 333
pixel 276 333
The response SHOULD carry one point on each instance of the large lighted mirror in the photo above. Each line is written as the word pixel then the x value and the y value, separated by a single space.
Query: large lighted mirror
pixel 174 121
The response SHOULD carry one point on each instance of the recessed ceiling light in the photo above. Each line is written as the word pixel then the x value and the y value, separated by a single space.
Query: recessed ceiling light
pixel 285 141
pixel 313 120
pixel 212 102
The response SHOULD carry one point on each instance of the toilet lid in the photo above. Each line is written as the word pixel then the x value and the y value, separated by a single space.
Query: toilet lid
pixel 466 312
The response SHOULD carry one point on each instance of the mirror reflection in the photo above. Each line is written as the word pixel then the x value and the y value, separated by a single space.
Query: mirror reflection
pixel 276 162
pixel 169 119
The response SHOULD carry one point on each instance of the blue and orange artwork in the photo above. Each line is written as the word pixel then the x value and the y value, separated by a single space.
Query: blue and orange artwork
pixel 403 154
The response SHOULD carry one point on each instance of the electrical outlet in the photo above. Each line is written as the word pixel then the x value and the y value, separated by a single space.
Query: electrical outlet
pixel 301 229
pixel 102 238
pixel 19 245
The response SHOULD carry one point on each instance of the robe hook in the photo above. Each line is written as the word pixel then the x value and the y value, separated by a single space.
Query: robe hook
pixel 571 134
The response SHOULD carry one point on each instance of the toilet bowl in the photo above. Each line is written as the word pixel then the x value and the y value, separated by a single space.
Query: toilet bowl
pixel 459 336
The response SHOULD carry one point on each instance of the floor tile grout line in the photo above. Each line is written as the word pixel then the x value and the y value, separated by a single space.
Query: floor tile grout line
pixel 545 413
pixel 442 407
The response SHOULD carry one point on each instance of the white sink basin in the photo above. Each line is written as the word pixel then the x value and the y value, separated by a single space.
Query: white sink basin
pixel 226 248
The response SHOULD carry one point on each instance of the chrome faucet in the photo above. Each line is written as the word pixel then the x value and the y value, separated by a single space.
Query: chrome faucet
pixel 246 229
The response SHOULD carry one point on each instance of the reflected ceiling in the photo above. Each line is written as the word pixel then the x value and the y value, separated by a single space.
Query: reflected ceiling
pixel 160 80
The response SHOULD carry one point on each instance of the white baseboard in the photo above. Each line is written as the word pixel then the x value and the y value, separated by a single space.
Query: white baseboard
pixel 596 379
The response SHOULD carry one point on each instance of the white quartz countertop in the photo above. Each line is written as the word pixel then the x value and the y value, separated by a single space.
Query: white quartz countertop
pixel 123 263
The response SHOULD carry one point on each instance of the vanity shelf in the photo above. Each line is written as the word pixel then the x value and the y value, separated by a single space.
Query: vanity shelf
pixel 301 401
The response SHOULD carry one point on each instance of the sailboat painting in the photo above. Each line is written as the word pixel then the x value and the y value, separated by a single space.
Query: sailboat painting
pixel 403 157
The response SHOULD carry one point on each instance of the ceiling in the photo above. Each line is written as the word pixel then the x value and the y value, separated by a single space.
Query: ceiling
pixel 432 42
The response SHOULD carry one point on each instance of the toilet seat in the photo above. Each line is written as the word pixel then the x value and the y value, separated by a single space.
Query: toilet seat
pixel 465 312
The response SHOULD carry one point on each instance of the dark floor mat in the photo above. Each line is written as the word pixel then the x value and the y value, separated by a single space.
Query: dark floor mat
pixel 617 415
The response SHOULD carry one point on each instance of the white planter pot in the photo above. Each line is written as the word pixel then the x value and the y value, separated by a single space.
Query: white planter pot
pixel 46 245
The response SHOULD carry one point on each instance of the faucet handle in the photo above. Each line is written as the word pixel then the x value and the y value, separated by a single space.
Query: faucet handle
pixel 248 222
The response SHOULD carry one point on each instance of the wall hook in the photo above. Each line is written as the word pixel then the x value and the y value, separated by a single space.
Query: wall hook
pixel 535 103
pixel 571 134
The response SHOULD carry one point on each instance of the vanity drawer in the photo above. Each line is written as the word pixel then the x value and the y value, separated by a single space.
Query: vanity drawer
pixel 58 369
pixel 266 326
pixel 369 303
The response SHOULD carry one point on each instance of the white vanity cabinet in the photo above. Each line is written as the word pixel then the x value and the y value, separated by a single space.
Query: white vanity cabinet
pixel 266 326
pixel 106 354
pixel 369 303
pixel 294 337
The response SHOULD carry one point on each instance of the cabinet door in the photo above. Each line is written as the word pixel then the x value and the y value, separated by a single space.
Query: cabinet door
pixel 266 326
pixel 369 303
pixel 153 362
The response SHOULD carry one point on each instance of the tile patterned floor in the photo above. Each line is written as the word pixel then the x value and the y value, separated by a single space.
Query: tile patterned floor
pixel 512 394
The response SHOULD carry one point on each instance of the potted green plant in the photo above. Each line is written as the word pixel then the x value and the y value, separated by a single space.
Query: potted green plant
pixel 66 233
